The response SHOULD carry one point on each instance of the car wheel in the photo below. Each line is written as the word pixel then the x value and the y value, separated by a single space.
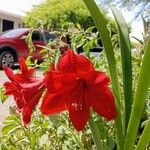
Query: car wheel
pixel 7 58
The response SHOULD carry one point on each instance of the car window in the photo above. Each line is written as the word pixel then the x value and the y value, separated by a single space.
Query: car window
pixel 49 36
pixel 36 36
pixel 96 49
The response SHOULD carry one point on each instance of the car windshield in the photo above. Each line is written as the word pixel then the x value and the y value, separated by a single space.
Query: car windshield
pixel 13 33
pixel 49 36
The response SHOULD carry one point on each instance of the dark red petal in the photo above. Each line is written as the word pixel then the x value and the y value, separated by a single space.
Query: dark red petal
pixel 89 77
pixel 79 104
pixel 67 63
pixel 13 89
pixel 69 79
pixel 94 77
pixel 57 101
pixel 31 99
pixel 101 78
pixel 52 66
pixel 9 73
pixel 52 80
pixel 53 104
pixel 31 96
pixel 19 101
pixel 79 118
pixel 33 84
pixel 24 69
pixel 10 88
pixel 83 64
pixel 104 104
pixel 26 115
pixel 71 63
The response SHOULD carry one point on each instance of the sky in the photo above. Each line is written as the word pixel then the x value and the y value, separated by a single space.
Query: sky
pixel 136 26
pixel 20 6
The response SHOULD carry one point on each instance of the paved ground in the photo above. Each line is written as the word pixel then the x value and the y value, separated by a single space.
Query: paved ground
pixel 4 108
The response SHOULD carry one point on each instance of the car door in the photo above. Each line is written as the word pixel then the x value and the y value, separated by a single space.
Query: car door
pixel 21 45
pixel 38 42
pixel 40 39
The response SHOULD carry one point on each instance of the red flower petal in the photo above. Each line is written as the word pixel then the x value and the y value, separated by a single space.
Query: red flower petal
pixel 101 78
pixel 9 73
pixel 57 101
pixel 33 84
pixel 104 104
pixel 83 64
pixel 13 89
pixel 26 115
pixel 94 77
pixel 71 63
pixel 69 79
pixel 52 66
pixel 24 69
pixel 31 97
pixel 79 118
pixel 67 62
pixel 52 80
pixel 10 88
pixel 52 104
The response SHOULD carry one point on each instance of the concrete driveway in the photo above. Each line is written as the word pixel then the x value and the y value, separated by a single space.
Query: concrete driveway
pixel 4 108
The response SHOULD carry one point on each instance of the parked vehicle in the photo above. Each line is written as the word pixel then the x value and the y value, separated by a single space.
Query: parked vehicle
pixel 13 45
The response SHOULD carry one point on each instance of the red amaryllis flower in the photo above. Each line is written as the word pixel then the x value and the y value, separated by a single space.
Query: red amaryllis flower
pixel 26 89
pixel 75 86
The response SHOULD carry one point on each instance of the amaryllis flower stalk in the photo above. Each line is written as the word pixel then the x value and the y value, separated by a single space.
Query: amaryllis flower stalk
pixel 25 88
pixel 77 87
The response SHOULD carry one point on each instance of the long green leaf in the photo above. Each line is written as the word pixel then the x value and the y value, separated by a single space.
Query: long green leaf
pixel 125 48
pixel 95 133
pixel 139 101
pixel 145 137
pixel 104 34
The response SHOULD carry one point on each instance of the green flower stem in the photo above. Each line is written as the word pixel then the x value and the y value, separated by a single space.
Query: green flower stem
pixel 95 133
pixel 139 101
pixel 145 137
pixel 105 36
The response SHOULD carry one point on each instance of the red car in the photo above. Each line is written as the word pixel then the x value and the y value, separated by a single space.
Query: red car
pixel 13 45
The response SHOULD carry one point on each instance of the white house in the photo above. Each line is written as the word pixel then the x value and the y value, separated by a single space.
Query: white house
pixel 9 21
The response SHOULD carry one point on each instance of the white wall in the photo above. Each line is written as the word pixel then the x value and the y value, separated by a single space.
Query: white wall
pixel 12 17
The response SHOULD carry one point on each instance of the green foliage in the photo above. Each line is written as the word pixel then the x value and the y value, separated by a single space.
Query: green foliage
pixel 54 13
pixel 84 40
pixel 125 48
pixel 53 132
pixel 3 97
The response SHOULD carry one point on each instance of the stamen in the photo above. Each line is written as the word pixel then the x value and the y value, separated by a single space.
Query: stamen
pixel 76 106
pixel 77 78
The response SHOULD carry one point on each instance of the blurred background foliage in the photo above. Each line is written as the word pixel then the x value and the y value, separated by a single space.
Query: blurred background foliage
pixel 137 6
pixel 52 14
